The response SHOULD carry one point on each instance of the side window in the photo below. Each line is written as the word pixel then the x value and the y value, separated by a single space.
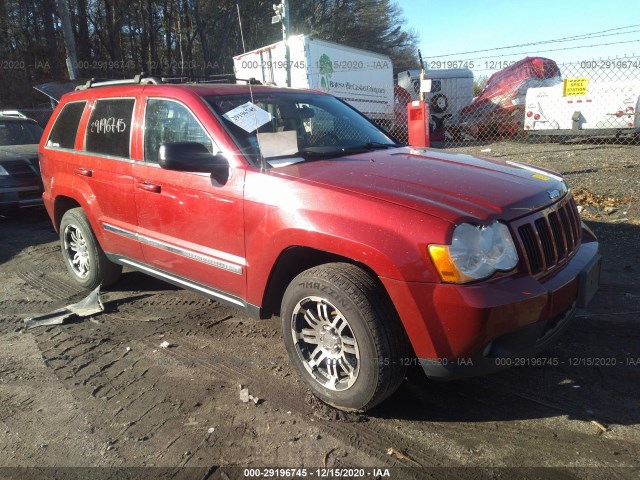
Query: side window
pixel 64 131
pixel 109 129
pixel 167 121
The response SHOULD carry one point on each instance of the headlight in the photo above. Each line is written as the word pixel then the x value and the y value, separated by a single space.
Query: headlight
pixel 3 172
pixel 476 252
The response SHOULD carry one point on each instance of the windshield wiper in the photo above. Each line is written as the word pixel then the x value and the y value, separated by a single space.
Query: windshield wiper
pixel 317 153
pixel 313 153
pixel 371 146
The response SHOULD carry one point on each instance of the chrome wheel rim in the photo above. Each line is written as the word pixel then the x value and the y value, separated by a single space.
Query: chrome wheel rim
pixel 76 251
pixel 325 343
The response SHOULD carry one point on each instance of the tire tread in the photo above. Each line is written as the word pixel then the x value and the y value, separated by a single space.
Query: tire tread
pixel 376 309
pixel 107 273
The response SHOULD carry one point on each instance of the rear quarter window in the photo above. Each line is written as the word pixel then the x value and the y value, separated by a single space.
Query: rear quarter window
pixel 64 131
pixel 109 129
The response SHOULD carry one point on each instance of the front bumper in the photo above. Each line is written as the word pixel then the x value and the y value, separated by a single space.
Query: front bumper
pixel 463 330
pixel 20 184
pixel 19 197
pixel 517 348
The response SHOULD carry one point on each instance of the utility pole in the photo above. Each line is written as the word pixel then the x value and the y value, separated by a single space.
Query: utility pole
pixel 69 41
pixel 423 75
pixel 282 15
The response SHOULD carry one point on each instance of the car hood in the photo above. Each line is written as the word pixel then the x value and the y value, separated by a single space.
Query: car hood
pixel 452 186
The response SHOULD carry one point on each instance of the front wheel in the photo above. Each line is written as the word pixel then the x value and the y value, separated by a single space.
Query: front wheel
pixel 343 337
pixel 83 256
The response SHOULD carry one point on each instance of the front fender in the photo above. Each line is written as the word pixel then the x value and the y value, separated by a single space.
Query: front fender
pixel 389 239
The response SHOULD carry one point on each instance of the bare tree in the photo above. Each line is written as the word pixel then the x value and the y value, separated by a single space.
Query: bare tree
pixel 117 38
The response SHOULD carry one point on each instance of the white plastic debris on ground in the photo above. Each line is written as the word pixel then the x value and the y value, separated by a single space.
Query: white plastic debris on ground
pixel 245 397
pixel 90 305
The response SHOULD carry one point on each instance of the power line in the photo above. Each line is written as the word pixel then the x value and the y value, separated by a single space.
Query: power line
pixel 542 42
pixel 630 58
pixel 556 49
pixel 559 40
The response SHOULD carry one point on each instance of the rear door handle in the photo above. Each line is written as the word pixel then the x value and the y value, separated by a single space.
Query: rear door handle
pixel 148 187
pixel 83 171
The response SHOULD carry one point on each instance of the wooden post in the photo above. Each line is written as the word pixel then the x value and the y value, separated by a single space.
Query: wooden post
pixel 69 40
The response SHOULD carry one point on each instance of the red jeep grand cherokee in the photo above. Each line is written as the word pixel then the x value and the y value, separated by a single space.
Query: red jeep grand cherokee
pixel 291 203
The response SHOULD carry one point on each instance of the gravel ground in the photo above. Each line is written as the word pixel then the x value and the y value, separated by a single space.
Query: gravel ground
pixel 102 393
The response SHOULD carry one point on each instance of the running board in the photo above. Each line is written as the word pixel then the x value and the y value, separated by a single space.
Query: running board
pixel 184 283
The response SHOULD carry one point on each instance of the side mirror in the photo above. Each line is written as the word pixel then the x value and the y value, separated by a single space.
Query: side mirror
pixel 190 157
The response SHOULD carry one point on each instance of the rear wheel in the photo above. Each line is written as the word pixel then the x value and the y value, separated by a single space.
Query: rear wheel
pixel 343 337
pixel 83 256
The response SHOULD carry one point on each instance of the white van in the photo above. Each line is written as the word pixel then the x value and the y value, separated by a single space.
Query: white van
pixel 361 78
pixel 608 108
pixel 451 90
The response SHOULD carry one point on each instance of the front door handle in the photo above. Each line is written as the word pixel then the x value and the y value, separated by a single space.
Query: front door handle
pixel 148 187
pixel 83 171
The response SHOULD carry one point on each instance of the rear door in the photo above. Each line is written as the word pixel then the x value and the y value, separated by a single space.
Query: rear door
pixel 58 153
pixel 104 175
pixel 191 225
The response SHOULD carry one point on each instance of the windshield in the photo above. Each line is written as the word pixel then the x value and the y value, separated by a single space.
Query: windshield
pixel 19 133
pixel 297 126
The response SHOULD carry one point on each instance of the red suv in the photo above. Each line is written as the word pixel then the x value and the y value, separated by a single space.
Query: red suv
pixel 287 202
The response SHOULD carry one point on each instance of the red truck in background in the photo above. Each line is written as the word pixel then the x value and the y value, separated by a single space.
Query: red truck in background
pixel 499 109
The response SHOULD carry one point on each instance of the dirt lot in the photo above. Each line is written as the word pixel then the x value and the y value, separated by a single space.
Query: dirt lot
pixel 101 393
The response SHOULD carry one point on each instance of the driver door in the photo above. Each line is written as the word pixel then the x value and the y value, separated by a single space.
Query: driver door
pixel 191 226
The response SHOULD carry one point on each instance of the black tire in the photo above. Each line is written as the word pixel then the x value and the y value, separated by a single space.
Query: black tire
pixel 372 343
pixel 439 103
pixel 438 123
pixel 83 256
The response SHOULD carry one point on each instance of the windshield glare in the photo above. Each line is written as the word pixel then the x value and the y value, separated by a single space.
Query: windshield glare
pixel 323 125
pixel 19 133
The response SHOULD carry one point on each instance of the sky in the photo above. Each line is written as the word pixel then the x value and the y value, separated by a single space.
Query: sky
pixel 458 26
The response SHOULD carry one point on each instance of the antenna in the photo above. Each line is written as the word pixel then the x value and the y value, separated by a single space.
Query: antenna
pixel 263 162
pixel 244 49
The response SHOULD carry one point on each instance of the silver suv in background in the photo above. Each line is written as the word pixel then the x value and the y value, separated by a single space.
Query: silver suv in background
pixel 20 182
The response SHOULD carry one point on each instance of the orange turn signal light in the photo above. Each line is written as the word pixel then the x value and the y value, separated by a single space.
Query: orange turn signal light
pixel 445 266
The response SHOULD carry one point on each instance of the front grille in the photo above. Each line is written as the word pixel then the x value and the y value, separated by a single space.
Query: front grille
pixel 549 237
pixel 22 172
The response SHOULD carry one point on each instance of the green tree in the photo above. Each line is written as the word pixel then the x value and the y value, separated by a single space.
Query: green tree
pixel 374 25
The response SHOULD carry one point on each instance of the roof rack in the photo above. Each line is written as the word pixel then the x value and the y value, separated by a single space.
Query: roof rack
pixel 223 78
pixel 140 79
pixel 143 79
